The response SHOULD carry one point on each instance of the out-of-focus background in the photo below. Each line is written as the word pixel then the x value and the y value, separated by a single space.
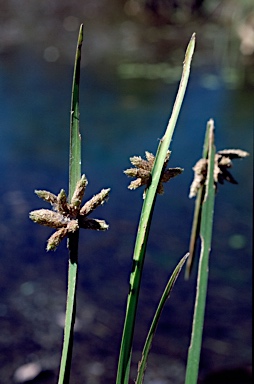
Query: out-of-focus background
pixel 131 64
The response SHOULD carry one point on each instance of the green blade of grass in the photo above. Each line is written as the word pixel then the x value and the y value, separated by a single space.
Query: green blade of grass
pixel 74 176
pixel 144 226
pixel 151 332
pixel 197 216
pixel 75 138
pixel 203 269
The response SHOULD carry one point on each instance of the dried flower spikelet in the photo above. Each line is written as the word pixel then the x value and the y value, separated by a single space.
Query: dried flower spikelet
pixel 136 183
pixel 131 172
pixel 222 162
pixel 160 190
pixel 68 218
pixel 144 175
pixel 142 171
pixel 138 162
pixel 150 157
pixel 46 196
pixel 167 175
pixel 79 192
pixel 233 153
pixel 48 218
pixel 62 204
pixel 56 239
pixel 144 168
pixel 95 224
pixel 217 170
pixel 221 173
pixel 200 170
pixel 72 226
pixel 93 203
pixel 170 173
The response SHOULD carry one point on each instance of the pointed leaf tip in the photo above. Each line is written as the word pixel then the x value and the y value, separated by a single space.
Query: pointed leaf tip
pixel 80 36
pixel 191 47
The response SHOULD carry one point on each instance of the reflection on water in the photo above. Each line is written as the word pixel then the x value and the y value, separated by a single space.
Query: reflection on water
pixel 119 118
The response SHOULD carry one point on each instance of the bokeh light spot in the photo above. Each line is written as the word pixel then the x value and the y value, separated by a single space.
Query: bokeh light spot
pixel 237 241
pixel 51 54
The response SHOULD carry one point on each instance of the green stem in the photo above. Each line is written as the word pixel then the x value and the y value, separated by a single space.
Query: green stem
pixel 203 268
pixel 144 226
pixel 75 137
pixel 197 215
pixel 74 177
pixel 152 330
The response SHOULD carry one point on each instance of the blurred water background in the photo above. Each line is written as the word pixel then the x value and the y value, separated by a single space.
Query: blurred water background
pixel 131 64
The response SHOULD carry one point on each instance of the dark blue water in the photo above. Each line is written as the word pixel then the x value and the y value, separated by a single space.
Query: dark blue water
pixel 119 118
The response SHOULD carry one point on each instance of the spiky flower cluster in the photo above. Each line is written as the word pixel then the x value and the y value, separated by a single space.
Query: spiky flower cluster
pixel 67 217
pixel 222 162
pixel 143 168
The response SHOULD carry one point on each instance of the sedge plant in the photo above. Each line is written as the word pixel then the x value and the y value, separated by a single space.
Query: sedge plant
pixel 144 224
pixel 68 217
pixel 211 169
pixel 206 221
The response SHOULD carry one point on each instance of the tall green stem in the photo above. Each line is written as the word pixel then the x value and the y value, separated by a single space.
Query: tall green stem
pixel 203 268
pixel 144 226
pixel 74 177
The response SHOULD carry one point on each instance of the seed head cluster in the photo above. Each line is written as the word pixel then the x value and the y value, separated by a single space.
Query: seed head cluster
pixel 143 169
pixel 67 217
pixel 222 162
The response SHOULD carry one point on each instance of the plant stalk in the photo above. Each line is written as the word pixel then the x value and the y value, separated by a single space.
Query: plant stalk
pixel 203 268
pixel 74 177
pixel 144 226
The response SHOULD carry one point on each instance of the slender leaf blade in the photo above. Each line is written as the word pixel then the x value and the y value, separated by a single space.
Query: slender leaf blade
pixel 75 137
pixel 74 176
pixel 203 269
pixel 144 225
pixel 155 321
pixel 197 213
